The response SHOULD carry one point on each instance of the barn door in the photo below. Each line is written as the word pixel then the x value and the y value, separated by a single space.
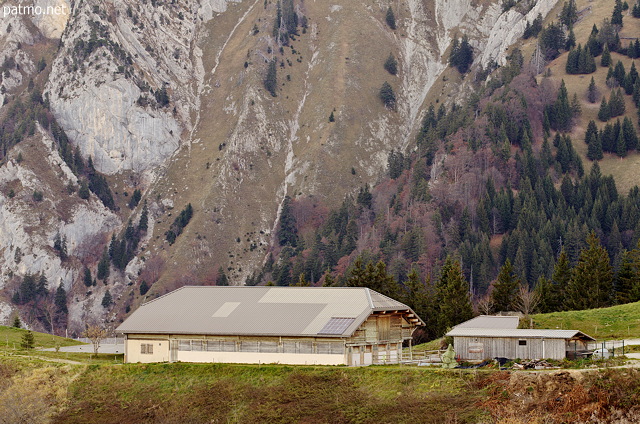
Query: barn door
pixel 173 351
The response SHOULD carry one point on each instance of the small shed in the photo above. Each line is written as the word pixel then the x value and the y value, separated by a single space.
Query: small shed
pixel 474 343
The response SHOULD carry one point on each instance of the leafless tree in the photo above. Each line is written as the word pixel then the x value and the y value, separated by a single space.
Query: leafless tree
pixel 484 305
pixel 527 300
pixel 96 333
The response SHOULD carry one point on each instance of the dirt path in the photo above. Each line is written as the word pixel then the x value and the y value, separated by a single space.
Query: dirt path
pixel 57 360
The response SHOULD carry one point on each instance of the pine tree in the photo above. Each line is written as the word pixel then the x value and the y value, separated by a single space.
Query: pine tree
pixel 421 301
pixel 16 322
pixel 592 139
pixel 616 16
pixel 103 266
pixel 604 114
pixel 452 295
pixel 28 341
pixel 143 223
pixel 562 114
pixel 106 299
pixel 592 91
pixel 332 118
pixel 616 104
pixel 390 18
pixel 629 133
pixel 222 279
pixel 271 79
pixel 87 279
pixel 287 231
pixel 605 59
pixel 387 96
pixel 635 12
pixel 61 300
pixel 621 146
pixel 505 288
pixel 627 278
pixel 571 40
pixel 591 285
pixel 144 288
pixel 569 14
pixel 391 64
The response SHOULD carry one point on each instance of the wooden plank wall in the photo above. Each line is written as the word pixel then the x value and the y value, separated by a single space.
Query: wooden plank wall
pixel 480 348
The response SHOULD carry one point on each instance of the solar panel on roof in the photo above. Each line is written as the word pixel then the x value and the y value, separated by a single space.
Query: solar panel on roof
pixel 336 325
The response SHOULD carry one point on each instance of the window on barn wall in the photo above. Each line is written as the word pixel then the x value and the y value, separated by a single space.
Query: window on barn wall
pixel 146 349
pixel 196 345
pixel 522 342
pixel 184 345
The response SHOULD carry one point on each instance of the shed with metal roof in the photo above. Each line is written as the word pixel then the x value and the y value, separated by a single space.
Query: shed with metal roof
pixel 292 325
pixel 473 343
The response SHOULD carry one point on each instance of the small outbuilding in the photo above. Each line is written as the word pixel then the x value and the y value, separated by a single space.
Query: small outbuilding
pixel 498 336
pixel 287 325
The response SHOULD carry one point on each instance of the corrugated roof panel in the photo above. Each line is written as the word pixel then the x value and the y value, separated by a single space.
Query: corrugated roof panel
pixel 491 321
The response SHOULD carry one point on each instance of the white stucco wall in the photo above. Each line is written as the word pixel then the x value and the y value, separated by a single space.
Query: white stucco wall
pixel 133 349
pixel 263 358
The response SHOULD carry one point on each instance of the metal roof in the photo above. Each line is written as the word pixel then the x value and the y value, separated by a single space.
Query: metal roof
pixel 265 311
pixel 491 321
pixel 518 333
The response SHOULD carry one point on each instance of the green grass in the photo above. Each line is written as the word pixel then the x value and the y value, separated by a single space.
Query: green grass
pixel 11 337
pixel 616 322
pixel 146 393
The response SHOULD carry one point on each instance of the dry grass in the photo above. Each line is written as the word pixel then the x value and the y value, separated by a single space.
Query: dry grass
pixel 623 170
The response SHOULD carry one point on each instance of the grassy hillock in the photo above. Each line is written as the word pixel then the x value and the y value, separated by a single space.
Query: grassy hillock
pixel 11 337
pixel 616 322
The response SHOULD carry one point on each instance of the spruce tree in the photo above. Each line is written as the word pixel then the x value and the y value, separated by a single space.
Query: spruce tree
pixel 60 300
pixel 591 285
pixel 222 279
pixel 621 146
pixel 144 288
pixel 452 296
pixel 387 96
pixel 103 266
pixel 505 288
pixel 287 230
pixel 421 300
pixel 391 64
pixel 594 145
pixel 106 299
pixel 605 59
pixel 16 322
pixel 604 113
pixel 616 15
pixel 271 80
pixel 592 91
pixel 626 279
pixel 616 104
pixel 28 342
pixel 629 133
pixel 87 279
pixel 561 273
pixel 390 18
pixel 562 113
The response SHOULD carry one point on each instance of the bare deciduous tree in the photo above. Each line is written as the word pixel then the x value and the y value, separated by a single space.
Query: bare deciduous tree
pixel 527 300
pixel 96 333
pixel 484 305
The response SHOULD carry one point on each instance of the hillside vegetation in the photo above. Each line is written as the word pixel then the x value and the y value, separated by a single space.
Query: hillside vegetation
pixel 616 322
pixel 197 393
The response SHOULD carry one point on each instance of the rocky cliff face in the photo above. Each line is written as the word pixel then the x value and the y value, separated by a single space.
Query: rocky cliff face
pixel 171 95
